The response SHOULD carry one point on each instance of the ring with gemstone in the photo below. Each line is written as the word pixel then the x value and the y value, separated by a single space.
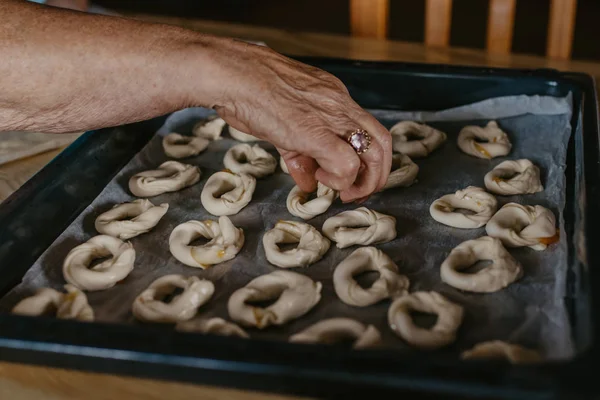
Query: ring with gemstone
pixel 360 140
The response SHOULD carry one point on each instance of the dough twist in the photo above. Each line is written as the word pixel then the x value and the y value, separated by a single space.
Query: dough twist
pixel 360 227
pixel 209 128
pixel 296 295
pixel 179 146
pixel 404 172
pixel 215 326
pixel 518 226
pixel 311 244
pixel 416 140
pixel 105 275
pixel 497 140
pixel 474 199
pixel 241 136
pixel 225 242
pixel 449 319
pixel 127 220
pixel 226 193
pixel 389 284
pixel 298 204
pixel 514 177
pixel 252 160
pixel 150 307
pixel 501 350
pixel 503 270
pixel 334 330
pixel 170 176
pixel 72 305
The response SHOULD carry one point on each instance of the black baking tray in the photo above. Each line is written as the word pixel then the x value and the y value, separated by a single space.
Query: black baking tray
pixel 34 216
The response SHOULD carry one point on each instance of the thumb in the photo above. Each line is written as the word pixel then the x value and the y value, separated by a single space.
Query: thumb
pixel 302 169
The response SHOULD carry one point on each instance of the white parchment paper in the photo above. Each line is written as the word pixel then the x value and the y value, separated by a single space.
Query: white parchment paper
pixel 529 312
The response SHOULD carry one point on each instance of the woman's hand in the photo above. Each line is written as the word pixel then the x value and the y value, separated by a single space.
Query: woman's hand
pixel 307 114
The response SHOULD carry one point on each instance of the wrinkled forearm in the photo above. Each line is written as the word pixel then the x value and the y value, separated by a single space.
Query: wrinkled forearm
pixel 63 71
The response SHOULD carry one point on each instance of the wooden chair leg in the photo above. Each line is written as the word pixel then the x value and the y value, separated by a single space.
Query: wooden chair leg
pixel 369 18
pixel 501 21
pixel 561 28
pixel 438 17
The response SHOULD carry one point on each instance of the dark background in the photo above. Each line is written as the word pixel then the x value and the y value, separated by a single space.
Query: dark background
pixel 469 19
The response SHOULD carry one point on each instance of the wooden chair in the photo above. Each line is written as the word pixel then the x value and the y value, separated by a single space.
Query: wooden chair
pixel 370 18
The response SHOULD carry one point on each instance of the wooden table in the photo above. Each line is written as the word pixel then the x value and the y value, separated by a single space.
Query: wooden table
pixel 27 382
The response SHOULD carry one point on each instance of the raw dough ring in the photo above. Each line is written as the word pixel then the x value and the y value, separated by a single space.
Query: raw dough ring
pixel 225 242
pixel 334 330
pixel 497 144
pixel 143 217
pixel 215 326
pixel 104 275
pixel 299 206
pixel 404 172
pixel 503 270
pixel 149 307
pixel 474 199
pixel 518 226
pixel 296 295
pixel 226 193
pixel 497 349
pixel 241 136
pixel 72 305
pixel 209 128
pixel 170 176
pixel 360 227
pixel 179 146
pixel 252 160
pixel 390 282
pixel 514 177
pixel 283 165
pixel 311 244
pixel 428 140
pixel 450 316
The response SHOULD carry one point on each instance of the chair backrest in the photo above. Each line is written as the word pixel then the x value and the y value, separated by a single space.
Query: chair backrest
pixel 370 18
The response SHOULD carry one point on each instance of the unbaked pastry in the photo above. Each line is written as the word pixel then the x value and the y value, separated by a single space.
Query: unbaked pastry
pixel 502 271
pixel 299 205
pixel 497 349
pixel 226 193
pixel 225 242
pixel 70 305
pixel 179 146
pixel 449 319
pixel 496 141
pixel 170 176
pixel 215 326
pixel 360 227
pixel 295 295
pixel 414 139
pixel 252 160
pixel 127 220
pixel 390 283
pixel 283 165
pixel 311 244
pixel 518 226
pixel 241 136
pixel 514 177
pixel 404 172
pixel 209 128
pixel 482 205
pixel 76 267
pixel 334 330
pixel 150 307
